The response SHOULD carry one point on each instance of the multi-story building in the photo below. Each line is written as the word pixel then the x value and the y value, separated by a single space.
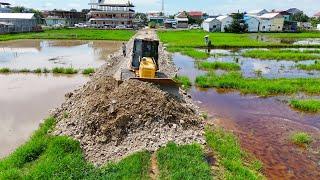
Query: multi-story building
pixel 4 7
pixel 63 18
pixel 111 13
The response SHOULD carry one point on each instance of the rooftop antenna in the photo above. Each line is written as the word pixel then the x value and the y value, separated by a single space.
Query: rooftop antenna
pixel 162 7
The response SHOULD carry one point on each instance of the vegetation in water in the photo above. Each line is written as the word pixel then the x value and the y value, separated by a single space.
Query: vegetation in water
pixel 52 157
pixel 184 81
pixel 237 163
pixel 301 138
pixel 25 71
pixel 81 34
pixel 182 162
pixel 206 65
pixel 307 105
pixel 278 54
pixel 310 67
pixel 62 70
pixel 38 71
pixel 88 71
pixel 191 52
pixel 260 86
pixel 5 70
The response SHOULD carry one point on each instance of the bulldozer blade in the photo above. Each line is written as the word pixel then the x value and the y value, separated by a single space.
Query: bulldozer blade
pixel 165 84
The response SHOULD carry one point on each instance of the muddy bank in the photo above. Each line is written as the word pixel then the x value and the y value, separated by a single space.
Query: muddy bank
pixel 24 102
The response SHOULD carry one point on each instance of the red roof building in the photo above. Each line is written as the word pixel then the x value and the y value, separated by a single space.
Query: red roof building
pixel 195 14
pixel 317 15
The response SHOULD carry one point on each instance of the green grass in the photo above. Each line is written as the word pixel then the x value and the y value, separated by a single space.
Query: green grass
pixel 62 70
pixel 80 34
pixel 182 162
pixel 301 138
pixel 25 71
pixel 184 81
pixel 310 67
pixel 237 163
pixel 278 54
pixel 88 71
pixel 5 70
pixel 191 52
pixel 38 71
pixel 206 65
pixel 50 157
pixel 294 35
pixel 195 39
pixel 259 86
pixel 307 105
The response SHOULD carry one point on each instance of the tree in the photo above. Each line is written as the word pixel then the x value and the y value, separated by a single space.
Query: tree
pixel 86 11
pixel 238 24
pixel 142 16
pixel 18 9
pixel 315 21
pixel 73 10
pixel 300 17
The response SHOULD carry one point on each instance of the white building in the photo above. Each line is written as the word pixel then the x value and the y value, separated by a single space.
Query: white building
pixel 17 22
pixel 253 23
pixel 111 13
pixel 211 25
pixel 4 7
pixel 271 22
pixel 258 12
pixel 318 27
pixel 182 20
pixel 225 21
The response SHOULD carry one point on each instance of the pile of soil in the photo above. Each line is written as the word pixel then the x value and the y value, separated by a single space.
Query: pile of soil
pixel 112 121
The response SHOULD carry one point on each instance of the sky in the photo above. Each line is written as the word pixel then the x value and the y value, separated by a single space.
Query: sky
pixel 212 7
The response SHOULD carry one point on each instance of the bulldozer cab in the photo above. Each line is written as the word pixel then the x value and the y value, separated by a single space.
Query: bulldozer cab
pixel 144 48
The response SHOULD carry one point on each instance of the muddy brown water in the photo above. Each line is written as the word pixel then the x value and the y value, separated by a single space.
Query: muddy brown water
pixel 33 54
pixel 25 100
pixel 263 126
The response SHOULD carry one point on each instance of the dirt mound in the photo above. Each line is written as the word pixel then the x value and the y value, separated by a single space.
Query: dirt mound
pixel 112 121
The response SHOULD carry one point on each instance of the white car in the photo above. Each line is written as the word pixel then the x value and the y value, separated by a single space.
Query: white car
pixel 81 25
pixel 195 26
pixel 121 27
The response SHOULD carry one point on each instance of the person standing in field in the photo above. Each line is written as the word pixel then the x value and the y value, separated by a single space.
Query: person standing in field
pixel 124 49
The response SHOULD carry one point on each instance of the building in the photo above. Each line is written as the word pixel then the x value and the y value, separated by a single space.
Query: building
pixel 182 20
pixel 257 12
pixel 198 15
pixel 317 15
pixel 17 22
pixel 253 22
pixel 156 17
pixel 318 27
pixel 4 7
pixel 63 18
pixel 271 22
pixel 211 25
pixel 225 21
pixel 111 13
pixel 293 11
pixel 170 23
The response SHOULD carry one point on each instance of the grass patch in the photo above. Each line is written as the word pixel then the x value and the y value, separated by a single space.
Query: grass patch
pixel 278 54
pixel 206 65
pixel 182 162
pixel 50 157
pixel 88 71
pixel 25 71
pixel 37 71
pixel 259 86
pixel 62 70
pixel 310 67
pixel 235 161
pixel 191 52
pixel 184 81
pixel 80 34
pixel 308 105
pixel 301 138
pixel 294 35
pixel 5 70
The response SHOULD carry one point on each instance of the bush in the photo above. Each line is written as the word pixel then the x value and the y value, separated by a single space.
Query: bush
pixel 301 138
pixel 88 71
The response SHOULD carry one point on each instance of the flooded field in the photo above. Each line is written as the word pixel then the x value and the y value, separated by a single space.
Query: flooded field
pixel 25 100
pixel 292 41
pixel 264 125
pixel 33 54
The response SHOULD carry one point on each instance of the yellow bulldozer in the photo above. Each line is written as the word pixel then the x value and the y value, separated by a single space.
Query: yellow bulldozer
pixel 144 66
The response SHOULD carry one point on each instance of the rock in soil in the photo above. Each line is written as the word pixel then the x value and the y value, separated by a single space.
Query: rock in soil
pixel 112 121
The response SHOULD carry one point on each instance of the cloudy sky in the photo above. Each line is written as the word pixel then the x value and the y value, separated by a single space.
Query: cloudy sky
pixel 172 6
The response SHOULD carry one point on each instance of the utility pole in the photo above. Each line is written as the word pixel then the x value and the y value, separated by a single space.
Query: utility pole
pixel 162 7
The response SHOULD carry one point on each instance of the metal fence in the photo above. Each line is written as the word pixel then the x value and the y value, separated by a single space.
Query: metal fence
pixel 10 29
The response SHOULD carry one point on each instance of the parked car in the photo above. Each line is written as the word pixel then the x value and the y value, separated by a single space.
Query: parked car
pixel 121 27
pixel 195 26
pixel 81 25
